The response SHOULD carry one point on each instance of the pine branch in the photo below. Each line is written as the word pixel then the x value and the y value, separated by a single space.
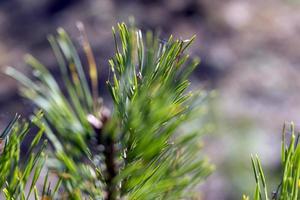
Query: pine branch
pixel 288 188
pixel 144 149
pixel 16 168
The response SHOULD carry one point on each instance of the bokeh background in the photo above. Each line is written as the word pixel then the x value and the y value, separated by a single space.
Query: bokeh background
pixel 250 52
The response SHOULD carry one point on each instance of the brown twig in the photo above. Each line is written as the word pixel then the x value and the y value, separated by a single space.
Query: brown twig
pixel 109 152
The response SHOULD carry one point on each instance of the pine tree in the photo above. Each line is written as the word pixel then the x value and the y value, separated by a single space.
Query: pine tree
pixel 142 148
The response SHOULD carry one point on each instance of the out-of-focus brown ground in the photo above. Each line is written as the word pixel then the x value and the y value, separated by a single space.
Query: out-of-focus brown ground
pixel 250 54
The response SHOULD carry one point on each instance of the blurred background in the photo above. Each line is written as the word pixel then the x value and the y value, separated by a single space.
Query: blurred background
pixel 250 51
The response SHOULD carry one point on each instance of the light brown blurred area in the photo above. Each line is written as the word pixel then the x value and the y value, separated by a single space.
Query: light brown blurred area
pixel 250 54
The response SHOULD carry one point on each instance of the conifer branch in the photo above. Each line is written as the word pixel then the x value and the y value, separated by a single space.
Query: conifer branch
pixel 146 150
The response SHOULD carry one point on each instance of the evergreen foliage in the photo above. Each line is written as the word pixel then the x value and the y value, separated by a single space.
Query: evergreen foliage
pixel 142 148
pixel 288 188
pixel 20 171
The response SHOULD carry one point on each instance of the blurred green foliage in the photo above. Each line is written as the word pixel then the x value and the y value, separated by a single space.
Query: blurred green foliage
pixel 19 174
